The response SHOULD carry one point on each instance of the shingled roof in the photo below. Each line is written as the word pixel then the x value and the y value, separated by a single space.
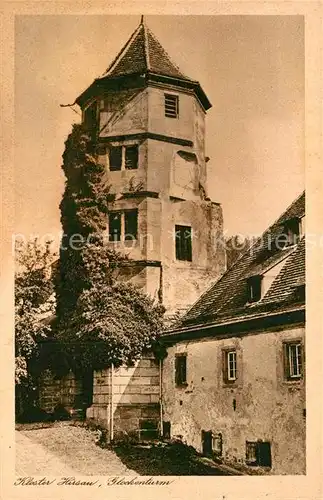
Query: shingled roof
pixel 143 53
pixel 142 61
pixel 227 299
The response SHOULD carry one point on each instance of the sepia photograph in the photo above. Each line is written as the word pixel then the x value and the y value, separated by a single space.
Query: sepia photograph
pixel 159 247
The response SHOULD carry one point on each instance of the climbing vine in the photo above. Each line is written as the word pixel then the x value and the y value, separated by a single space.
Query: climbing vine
pixel 99 320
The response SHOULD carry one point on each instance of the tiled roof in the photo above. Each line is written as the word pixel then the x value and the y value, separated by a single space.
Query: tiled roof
pixel 143 53
pixel 228 297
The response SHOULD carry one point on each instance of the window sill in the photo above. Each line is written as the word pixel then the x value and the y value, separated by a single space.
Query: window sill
pixel 230 385
pixel 297 381
pixel 182 386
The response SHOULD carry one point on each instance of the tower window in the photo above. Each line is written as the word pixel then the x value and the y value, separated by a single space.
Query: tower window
pixel 183 241
pixel 123 225
pixel 123 157
pixel 171 105
pixel 131 224
pixel 114 226
pixel 254 288
pixel 115 158
pixel 131 157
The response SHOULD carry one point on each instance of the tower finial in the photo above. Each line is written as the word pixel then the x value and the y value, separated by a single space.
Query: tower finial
pixel 142 19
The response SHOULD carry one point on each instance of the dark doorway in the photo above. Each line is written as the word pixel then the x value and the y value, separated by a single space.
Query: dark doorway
pixel 87 388
pixel 207 443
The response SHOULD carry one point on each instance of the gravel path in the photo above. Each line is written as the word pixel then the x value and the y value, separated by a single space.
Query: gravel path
pixel 64 451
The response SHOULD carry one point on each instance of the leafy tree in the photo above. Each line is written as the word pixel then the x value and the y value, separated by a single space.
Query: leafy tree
pixel 34 301
pixel 99 320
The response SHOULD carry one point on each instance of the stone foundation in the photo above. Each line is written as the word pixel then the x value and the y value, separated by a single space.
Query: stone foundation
pixel 130 398
pixel 54 391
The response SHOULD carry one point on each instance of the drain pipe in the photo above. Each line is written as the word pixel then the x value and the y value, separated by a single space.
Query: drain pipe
pixel 161 396
pixel 111 403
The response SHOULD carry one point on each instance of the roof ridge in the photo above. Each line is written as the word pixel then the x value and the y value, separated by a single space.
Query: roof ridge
pixel 287 209
pixel 146 43
pixel 122 51
pixel 166 53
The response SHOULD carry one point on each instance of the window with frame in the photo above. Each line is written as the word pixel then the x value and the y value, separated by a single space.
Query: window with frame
pixel 180 369
pixel 217 444
pixel 183 243
pixel 258 453
pixel 171 105
pixel 123 225
pixel 229 366
pixel 115 158
pixel 131 157
pixel 114 226
pixel 131 224
pixel 254 288
pixel 293 360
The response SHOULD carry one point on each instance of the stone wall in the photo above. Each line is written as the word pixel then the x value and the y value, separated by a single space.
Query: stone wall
pixel 54 391
pixel 129 397
pixel 261 405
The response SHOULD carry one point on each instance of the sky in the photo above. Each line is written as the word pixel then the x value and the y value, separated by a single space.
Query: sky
pixel 251 68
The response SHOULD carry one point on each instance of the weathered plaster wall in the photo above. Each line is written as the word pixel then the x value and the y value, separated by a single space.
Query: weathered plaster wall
pixel 181 127
pixel 123 181
pixel 181 282
pixel 124 112
pixel 267 406
pixel 134 398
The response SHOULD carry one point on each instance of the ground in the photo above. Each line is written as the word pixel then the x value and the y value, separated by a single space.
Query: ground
pixel 62 449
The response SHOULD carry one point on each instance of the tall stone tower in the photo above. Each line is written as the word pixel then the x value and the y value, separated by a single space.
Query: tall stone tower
pixel 149 121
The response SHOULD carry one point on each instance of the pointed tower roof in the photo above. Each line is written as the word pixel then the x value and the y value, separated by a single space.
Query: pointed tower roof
pixel 141 61
pixel 142 53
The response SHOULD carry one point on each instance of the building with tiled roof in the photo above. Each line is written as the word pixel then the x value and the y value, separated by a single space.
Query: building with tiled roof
pixel 278 265
pixel 233 379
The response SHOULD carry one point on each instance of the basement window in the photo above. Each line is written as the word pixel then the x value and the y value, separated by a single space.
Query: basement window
pixel 293 360
pixel 254 288
pixel 180 369
pixel 183 243
pixel 258 453
pixel 171 105
pixel 217 444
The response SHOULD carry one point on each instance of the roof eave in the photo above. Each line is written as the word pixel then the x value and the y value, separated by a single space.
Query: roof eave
pixel 237 324
pixel 182 82
pixel 149 76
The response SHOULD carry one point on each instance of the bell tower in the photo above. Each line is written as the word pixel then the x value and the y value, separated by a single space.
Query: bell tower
pixel 149 121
